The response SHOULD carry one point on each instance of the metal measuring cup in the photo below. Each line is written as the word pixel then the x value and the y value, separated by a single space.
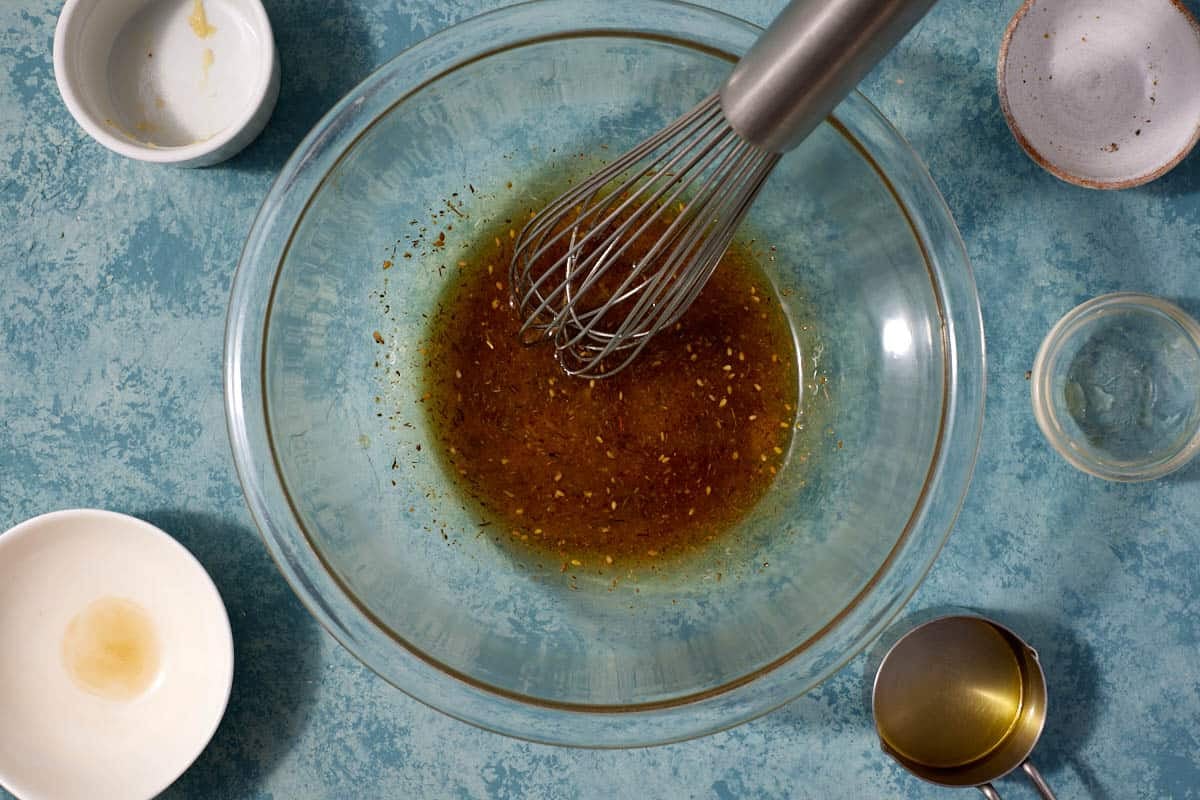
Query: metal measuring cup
pixel 961 701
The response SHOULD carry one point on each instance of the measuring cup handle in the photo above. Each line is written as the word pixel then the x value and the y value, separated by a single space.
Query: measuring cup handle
pixel 1038 781
pixel 1035 777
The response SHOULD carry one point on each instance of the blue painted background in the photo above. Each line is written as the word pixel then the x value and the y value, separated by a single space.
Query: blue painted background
pixel 113 283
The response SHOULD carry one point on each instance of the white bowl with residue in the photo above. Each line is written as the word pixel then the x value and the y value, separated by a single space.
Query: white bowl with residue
pixel 1102 93
pixel 183 82
pixel 116 658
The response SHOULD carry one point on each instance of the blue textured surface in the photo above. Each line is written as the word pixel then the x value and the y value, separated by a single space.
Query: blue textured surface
pixel 113 288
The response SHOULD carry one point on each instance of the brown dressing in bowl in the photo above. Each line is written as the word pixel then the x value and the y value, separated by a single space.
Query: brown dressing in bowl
pixel 655 462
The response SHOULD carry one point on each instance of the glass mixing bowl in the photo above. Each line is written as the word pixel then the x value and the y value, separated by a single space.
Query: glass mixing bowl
pixel 372 535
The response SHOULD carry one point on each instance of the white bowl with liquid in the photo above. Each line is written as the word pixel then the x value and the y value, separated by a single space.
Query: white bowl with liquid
pixel 116 658
pixel 183 82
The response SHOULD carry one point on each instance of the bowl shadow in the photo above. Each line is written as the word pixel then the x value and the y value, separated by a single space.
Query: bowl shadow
pixel 325 50
pixel 276 657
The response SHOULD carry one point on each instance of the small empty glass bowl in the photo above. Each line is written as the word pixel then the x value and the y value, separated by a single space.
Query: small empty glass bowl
pixel 1116 387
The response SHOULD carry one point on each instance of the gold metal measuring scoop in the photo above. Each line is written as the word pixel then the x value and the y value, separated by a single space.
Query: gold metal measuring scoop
pixel 961 701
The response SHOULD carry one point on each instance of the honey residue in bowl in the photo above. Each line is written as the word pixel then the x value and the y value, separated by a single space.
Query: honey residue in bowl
pixel 655 462
pixel 110 649
pixel 198 20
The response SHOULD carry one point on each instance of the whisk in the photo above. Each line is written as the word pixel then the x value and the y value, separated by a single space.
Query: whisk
pixel 598 274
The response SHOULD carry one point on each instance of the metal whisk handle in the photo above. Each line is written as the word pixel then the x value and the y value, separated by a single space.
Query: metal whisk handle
pixel 807 61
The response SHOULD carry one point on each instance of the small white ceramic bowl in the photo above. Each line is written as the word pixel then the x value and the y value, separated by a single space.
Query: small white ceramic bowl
pixel 184 82
pixel 1102 93
pixel 116 658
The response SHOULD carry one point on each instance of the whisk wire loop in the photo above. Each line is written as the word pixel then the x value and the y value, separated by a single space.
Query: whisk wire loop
pixel 620 257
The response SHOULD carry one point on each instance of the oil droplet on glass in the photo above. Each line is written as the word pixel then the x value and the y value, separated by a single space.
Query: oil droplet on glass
pixel 110 649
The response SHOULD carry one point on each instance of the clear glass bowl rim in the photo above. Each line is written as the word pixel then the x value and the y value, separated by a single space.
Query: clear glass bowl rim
pixel 1041 389
pixel 534 720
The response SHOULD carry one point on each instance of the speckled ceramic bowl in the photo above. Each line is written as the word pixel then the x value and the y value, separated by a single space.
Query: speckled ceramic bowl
pixel 327 428
pixel 1102 93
